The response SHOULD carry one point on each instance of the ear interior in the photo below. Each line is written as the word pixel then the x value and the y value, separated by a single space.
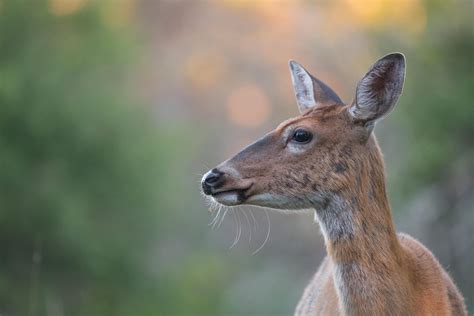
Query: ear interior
pixel 309 91
pixel 303 86
pixel 378 91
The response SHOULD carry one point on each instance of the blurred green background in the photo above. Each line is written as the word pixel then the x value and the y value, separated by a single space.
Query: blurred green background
pixel 111 110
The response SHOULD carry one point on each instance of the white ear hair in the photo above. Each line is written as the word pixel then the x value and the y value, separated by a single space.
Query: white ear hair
pixel 378 91
pixel 309 91
pixel 303 86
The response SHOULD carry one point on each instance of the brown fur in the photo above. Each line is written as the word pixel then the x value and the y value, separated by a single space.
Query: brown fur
pixel 399 275
pixel 392 274
pixel 370 269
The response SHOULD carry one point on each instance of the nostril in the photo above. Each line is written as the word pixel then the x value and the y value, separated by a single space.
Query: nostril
pixel 212 178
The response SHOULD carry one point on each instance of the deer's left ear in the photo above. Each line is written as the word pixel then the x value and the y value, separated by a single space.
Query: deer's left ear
pixel 378 91
pixel 309 91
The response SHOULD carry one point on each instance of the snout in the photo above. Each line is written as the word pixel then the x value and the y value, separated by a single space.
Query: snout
pixel 212 181
pixel 226 186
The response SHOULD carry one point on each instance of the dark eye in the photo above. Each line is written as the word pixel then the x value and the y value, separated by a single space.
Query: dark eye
pixel 302 136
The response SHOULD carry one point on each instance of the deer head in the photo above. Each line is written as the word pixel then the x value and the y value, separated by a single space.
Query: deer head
pixel 306 159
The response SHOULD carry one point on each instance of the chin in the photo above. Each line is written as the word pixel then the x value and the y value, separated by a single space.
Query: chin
pixel 229 198
pixel 266 200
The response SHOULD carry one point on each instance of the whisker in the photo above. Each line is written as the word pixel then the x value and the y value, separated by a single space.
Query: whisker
pixel 214 220
pixel 212 205
pixel 218 213
pixel 222 218
pixel 239 230
pixel 220 208
pixel 255 226
pixel 240 226
pixel 236 230
pixel 201 174
pixel 248 222
pixel 268 234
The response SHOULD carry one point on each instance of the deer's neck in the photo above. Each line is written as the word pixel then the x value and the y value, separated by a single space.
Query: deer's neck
pixel 358 228
pixel 362 243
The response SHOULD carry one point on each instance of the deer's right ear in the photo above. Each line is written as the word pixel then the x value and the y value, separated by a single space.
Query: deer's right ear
pixel 309 91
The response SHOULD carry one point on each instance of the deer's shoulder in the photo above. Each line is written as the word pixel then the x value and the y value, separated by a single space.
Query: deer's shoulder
pixel 319 297
pixel 432 285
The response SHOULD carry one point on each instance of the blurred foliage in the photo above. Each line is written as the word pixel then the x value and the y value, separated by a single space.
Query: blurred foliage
pixel 81 166
pixel 436 106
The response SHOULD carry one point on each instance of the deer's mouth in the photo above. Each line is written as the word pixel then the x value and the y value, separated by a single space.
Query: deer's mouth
pixel 231 197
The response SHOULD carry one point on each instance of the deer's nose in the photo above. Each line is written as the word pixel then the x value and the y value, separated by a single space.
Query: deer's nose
pixel 212 180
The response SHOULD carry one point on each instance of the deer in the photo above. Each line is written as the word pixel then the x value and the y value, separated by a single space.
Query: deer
pixel 328 160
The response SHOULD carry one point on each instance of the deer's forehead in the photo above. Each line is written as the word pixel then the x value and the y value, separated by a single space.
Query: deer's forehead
pixel 289 122
pixel 287 126
pixel 309 121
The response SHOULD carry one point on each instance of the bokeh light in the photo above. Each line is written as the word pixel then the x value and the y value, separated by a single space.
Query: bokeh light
pixel 248 106
pixel 65 7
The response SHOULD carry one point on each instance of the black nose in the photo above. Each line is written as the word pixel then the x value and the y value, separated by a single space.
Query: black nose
pixel 212 180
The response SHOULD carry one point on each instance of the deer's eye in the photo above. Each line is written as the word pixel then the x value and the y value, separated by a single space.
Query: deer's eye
pixel 302 136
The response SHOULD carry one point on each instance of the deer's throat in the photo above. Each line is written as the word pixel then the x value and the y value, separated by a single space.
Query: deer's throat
pixel 336 219
pixel 363 249
pixel 357 229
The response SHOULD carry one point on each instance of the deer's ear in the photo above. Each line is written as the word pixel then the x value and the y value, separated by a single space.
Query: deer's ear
pixel 378 91
pixel 309 91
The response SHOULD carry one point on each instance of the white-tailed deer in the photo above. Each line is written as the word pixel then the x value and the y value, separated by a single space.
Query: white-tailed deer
pixel 328 159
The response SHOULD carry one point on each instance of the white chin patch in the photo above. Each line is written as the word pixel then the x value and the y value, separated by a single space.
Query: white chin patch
pixel 227 198
pixel 272 201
